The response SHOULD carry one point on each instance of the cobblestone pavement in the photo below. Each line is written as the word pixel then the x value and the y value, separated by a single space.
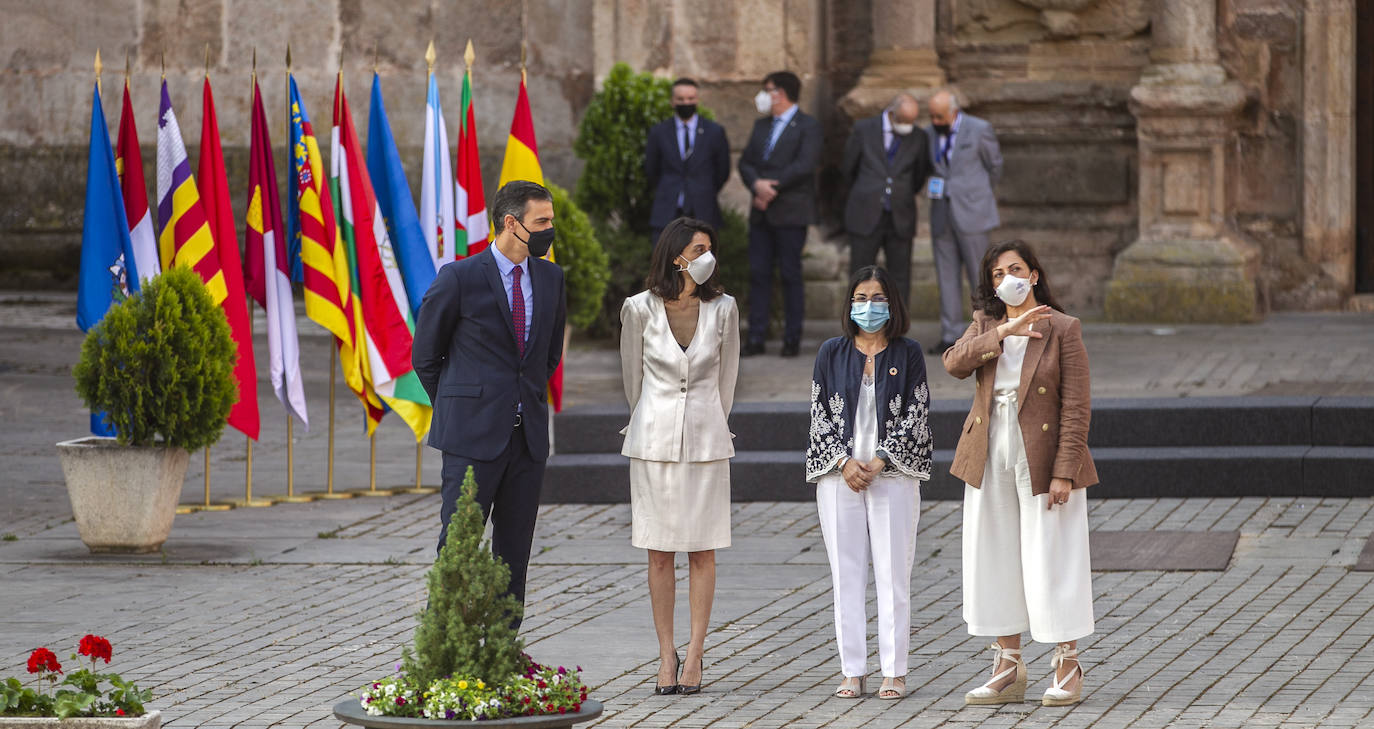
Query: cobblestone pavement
pixel 255 618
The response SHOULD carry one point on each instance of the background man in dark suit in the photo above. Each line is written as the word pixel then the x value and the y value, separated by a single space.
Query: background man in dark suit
pixel 967 163
pixel 886 163
pixel 687 161
pixel 779 168
pixel 489 335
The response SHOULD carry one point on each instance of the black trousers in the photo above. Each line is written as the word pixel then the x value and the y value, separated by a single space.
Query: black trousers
pixel 508 490
pixel 781 246
pixel 863 251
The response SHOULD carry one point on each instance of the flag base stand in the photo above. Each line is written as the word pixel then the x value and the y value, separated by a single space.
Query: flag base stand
pixel 418 490
pixel 373 492
pixel 333 495
pixel 249 503
pixel 193 508
pixel 294 499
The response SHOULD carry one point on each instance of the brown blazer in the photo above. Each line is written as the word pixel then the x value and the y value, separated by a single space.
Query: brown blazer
pixel 1054 400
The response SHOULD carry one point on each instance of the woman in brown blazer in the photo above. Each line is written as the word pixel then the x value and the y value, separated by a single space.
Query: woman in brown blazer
pixel 1023 453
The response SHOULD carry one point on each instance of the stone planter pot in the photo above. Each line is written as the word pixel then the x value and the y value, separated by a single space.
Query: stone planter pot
pixel 123 497
pixel 150 720
pixel 350 711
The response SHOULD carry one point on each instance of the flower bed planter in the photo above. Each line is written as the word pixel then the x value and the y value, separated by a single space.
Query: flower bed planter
pixel 150 720
pixel 350 711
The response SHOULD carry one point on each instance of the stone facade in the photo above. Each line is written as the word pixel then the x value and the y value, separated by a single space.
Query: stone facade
pixel 1066 83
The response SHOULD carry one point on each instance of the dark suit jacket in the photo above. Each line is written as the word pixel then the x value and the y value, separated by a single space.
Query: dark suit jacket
pixel 792 163
pixel 699 177
pixel 868 174
pixel 464 355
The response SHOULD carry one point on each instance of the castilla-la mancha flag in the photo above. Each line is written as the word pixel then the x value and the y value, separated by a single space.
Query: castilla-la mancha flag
pixel 214 195
pixel 522 163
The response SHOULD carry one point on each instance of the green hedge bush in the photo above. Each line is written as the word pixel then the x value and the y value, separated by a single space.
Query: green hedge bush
pixel 161 365
pixel 584 262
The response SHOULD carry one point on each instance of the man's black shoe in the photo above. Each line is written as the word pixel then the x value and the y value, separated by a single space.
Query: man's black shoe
pixel 940 348
pixel 752 348
pixel 790 349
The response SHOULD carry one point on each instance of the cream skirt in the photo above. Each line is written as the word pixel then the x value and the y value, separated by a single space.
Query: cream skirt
pixel 680 507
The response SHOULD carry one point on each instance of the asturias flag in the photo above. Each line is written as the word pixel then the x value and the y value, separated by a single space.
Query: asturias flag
pixel 129 162
pixel 108 269
pixel 379 301
pixel 469 200
pixel 267 271
pixel 214 195
pixel 184 238
pixel 522 163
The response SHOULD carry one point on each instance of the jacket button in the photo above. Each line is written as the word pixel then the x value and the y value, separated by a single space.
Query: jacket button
pixel 978 419
pixel 1045 428
pixel 683 390
pixel 1041 391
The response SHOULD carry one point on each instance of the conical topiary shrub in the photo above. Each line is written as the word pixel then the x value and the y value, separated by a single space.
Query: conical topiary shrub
pixel 466 630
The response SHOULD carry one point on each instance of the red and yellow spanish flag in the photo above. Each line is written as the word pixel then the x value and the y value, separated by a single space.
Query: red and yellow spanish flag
pixel 522 163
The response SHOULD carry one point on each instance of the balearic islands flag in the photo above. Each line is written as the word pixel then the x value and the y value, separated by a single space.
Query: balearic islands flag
pixel 129 163
pixel 214 195
pixel 522 163
pixel 184 238
pixel 314 247
pixel 268 272
pixel 379 301
pixel 108 268
pixel 469 200
pixel 436 182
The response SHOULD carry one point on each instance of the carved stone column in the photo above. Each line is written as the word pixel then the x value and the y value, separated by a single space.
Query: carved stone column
pixel 1186 265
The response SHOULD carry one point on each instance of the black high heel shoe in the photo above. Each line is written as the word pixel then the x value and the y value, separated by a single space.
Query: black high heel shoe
pixel 695 689
pixel 670 689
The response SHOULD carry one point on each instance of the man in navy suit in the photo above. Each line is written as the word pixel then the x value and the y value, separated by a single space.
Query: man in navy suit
pixel 687 161
pixel 488 336
pixel 779 168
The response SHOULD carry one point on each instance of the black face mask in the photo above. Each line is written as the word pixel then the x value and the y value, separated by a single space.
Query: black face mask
pixel 941 129
pixel 685 111
pixel 539 241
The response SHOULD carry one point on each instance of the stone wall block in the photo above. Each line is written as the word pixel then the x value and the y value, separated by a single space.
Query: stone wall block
pixel 180 29
pixel 36 37
pixel 310 26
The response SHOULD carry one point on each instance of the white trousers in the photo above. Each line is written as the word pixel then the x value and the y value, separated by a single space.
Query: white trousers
pixel 879 522
pixel 1025 567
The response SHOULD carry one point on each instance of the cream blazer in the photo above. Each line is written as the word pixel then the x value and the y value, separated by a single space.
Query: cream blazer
pixel 679 401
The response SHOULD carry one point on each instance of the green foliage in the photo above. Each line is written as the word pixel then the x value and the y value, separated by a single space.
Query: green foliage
pixel 466 630
pixel 611 139
pixel 84 698
pixel 584 262
pixel 161 364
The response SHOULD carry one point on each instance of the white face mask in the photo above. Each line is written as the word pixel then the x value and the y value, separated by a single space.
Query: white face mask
pixel 903 129
pixel 701 267
pixel 1013 290
pixel 763 101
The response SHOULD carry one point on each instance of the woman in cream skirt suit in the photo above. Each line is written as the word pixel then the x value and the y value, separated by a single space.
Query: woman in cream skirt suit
pixel 679 350
pixel 1023 454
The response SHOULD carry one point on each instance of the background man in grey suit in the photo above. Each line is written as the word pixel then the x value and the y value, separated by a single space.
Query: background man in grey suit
pixel 886 162
pixel 963 209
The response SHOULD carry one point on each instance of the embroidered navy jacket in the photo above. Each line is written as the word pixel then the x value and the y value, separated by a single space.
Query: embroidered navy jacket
pixel 903 401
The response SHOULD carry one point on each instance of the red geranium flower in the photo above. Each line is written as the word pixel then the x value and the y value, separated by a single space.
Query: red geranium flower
pixel 42 660
pixel 119 712
pixel 95 647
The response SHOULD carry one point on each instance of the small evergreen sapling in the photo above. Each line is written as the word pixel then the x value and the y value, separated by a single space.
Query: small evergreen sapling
pixel 466 630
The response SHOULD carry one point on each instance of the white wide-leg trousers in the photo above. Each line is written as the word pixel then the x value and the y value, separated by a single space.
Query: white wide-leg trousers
pixel 879 522
pixel 1025 567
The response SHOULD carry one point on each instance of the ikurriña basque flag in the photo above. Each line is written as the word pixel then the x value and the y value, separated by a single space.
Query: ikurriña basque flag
pixel 413 257
pixel 469 199
pixel 108 269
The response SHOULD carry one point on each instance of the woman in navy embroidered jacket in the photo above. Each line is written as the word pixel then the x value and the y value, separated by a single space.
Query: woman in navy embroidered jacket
pixel 870 446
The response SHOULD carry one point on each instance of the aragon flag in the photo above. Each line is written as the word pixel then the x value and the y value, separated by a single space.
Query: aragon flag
pixel 129 163
pixel 469 200
pixel 522 163
pixel 314 246
pixel 184 238
pixel 267 270
pixel 214 194
pixel 379 299
pixel 108 269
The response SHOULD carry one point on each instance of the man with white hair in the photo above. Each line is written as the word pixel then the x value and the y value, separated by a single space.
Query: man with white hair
pixel 886 163
pixel 963 208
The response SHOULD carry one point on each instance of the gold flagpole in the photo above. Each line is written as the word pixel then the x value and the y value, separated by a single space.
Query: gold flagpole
pixel 291 496
pixel 329 492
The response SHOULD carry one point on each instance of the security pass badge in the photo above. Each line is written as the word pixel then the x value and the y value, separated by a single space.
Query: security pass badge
pixel 935 188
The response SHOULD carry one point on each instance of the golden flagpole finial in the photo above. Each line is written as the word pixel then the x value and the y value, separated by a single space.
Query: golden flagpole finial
pixel 255 63
pixel 162 56
pixel 522 61
pixel 469 56
pixel 288 59
pixel 97 71
pixel 430 57
pixel 376 45
pixel 126 67
pixel 207 61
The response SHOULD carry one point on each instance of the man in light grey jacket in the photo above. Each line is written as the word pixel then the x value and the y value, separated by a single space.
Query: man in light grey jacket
pixel 967 163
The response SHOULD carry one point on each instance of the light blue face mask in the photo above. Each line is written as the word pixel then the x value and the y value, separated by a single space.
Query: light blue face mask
pixel 869 315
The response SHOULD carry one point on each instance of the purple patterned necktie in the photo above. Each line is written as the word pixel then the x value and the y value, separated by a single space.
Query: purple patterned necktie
pixel 517 310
